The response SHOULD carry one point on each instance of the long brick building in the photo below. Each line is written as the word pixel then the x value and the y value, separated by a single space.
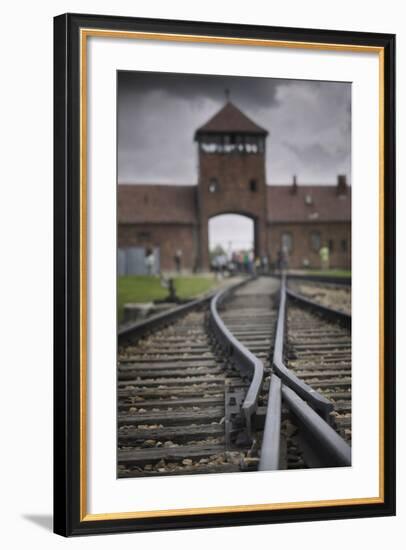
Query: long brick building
pixel 231 179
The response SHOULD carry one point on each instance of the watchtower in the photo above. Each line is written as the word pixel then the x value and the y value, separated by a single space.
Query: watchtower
pixel 231 178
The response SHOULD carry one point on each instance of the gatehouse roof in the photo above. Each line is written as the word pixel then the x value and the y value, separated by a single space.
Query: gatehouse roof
pixel 230 120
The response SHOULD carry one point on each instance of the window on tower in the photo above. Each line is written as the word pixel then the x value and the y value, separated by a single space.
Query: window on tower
pixel 143 236
pixel 213 185
pixel 232 143
pixel 253 185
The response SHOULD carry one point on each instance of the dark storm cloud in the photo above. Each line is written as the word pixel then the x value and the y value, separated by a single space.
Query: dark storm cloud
pixel 309 124
pixel 259 91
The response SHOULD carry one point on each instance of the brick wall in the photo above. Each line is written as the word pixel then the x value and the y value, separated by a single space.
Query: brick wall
pixel 334 234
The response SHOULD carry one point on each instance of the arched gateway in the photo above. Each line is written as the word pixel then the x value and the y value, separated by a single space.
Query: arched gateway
pixel 172 220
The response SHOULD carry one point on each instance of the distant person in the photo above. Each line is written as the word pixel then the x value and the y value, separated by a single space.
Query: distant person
pixel 246 262
pixel 219 265
pixel 265 264
pixel 282 259
pixel 150 261
pixel 240 262
pixel 178 260
pixel 235 262
pixel 285 257
pixel 223 264
pixel 279 260
pixel 324 257
pixel 251 262
pixel 257 265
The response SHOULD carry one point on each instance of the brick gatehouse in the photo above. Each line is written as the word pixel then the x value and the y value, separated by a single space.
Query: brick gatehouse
pixel 232 179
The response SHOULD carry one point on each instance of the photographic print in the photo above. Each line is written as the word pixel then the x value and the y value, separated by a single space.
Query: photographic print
pixel 233 274
pixel 224 274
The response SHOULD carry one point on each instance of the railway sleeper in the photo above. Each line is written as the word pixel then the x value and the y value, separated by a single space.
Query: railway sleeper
pixel 179 454
pixel 129 374
pixel 175 418
pixel 171 433
pixel 173 402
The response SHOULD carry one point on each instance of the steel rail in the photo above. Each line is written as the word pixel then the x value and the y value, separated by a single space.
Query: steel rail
pixel 159 320
pixel 329 448
pixel 336 281
pixel 270 449
pixel 335 315
pixel 246 362
pixel 325 446
pixel 271 436
pixel 322 405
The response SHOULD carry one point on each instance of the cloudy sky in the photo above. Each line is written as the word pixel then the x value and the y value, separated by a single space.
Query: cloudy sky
pixel 309 124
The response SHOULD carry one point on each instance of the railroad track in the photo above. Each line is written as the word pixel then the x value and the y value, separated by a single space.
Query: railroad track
pixel 332 295
pixel 173 383
pixel 319 353
pixel 204 389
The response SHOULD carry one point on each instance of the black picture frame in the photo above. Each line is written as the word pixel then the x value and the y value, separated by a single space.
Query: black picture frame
pixel 68 519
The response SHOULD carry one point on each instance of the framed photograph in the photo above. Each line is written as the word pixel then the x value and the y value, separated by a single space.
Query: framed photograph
pixel 224 254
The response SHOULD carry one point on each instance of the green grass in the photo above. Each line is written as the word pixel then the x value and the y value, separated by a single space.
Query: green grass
pixel 144 288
